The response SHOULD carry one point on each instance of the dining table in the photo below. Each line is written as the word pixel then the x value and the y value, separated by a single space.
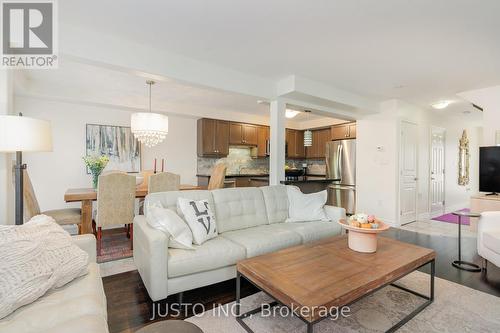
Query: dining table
pixel 87 195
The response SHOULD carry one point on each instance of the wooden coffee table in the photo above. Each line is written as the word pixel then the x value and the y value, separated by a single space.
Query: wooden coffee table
pixel 328 275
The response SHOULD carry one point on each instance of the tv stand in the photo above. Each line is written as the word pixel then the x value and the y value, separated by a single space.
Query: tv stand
pixel 483 203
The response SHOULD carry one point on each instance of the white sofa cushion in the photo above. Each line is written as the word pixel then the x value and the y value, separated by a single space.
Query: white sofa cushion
pixel 313 230
pixel 169 199
pixel 306 207
pixel 491 239
pixel 166 220
pixel 200 219
pixel 276 201
pixel 215 253
pixel 263 239
pixel 78 307
pixel 239 208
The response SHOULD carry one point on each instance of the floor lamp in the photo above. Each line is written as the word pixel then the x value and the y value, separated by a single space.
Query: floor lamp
pixel 20 134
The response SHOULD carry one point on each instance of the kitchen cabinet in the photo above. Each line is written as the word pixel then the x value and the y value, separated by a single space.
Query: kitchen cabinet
pixel 243 181
pixel 262 141
pixel 319 139
pixel 343 131
pixel 295 143
pixel 212 137
pixel 242 134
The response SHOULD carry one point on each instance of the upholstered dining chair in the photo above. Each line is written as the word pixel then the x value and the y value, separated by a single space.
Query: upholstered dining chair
pixel 218 176
pixel 164 181
pixel 65 216
pixel 115 204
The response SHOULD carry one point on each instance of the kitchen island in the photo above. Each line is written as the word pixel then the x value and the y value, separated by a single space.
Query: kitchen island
pixel 311 185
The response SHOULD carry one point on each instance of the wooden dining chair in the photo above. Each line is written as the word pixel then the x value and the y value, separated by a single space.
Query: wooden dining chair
pixel 218 176
pixel 164 181
pixel 65 216
pixel 115 205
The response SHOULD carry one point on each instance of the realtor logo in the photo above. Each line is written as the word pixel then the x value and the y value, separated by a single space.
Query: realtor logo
pixel 28 34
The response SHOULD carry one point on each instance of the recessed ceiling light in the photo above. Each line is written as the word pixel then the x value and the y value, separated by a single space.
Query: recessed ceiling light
pixel 291 113
pixel 440 105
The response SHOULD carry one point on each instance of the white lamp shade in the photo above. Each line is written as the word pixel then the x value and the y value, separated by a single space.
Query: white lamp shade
pixel 24 134
pixel 148 121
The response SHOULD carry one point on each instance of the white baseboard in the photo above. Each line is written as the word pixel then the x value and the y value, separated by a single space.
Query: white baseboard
pixel 447 209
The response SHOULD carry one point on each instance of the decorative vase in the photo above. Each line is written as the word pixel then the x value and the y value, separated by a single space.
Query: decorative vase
pixel 95 180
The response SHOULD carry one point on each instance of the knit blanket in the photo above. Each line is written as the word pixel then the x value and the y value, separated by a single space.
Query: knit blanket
pixel 34 258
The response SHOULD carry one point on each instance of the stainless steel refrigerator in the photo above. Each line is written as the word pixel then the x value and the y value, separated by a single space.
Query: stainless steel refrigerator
pixel 341 164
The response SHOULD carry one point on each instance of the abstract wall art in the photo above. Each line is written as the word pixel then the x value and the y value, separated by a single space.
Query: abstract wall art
pixel 116 142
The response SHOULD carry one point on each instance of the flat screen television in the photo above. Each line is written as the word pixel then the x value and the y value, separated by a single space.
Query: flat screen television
pixel 489 169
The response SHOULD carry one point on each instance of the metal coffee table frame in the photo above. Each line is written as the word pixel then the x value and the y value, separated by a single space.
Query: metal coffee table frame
pixel 310 325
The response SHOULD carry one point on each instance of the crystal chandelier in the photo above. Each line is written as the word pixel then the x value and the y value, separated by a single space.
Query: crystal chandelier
pixel 148 127
pixel 308 136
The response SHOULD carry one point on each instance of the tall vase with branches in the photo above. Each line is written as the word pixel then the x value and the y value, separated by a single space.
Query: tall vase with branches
pixel 95 164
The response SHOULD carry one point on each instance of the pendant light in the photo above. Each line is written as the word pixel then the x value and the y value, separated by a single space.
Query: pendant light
pixel 308 136
pixel 148 127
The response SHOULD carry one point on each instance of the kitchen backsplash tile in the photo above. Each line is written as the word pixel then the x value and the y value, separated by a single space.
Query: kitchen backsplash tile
pixel 240 161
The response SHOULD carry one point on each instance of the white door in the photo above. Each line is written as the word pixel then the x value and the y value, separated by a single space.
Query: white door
pixel 437 167
pixel 408 172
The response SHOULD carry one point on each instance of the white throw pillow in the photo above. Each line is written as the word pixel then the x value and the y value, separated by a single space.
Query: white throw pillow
pixel 36 257
pixel 168 221
pixel 306 207
pixel 199 218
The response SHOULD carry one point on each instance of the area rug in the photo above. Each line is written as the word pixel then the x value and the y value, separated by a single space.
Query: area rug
pixel 115 245
pixel 450 218
pixel 455 309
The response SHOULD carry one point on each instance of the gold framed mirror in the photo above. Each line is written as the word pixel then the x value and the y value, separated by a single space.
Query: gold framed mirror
pixel 463 160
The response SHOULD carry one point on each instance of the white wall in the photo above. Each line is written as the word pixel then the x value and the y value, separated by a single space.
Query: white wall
pixel 52 173
pixel 378 170
pixel 489 100
pixel 6 187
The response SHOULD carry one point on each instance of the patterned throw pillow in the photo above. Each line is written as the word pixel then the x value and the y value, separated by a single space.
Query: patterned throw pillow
pixel 199 218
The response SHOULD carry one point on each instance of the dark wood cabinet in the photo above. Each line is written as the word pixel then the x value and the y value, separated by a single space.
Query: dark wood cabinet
pixel 213 137
pixel 295 143
pixel 262 141
pixel 300 150
pixel 343 131
pixel 319 139
pixel 242 134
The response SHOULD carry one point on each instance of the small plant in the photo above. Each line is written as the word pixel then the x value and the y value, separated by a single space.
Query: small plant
pixel 95 164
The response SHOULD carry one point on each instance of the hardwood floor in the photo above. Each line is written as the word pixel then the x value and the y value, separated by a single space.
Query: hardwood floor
pixel 130 308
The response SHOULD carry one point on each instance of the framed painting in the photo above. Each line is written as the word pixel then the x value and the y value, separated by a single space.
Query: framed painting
pixel 116 142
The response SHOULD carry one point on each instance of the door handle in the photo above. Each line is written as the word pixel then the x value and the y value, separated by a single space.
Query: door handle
pixel 340 160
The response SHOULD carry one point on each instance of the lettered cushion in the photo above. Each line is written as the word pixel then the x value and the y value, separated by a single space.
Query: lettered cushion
pixel 199 218
pixel 36 257
pixel 168 221
pixel 306 207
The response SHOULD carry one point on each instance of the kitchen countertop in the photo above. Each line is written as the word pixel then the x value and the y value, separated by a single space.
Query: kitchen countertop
pixel 291 182
pixel 253 175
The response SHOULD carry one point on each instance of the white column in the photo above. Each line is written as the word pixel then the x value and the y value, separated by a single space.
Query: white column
pixel 277 153
pixel 6 188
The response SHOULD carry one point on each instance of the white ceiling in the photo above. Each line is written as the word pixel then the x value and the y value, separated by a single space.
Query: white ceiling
pixel 79 82
pixel 419 51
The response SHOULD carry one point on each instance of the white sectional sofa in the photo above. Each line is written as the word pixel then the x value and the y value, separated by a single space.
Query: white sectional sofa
pixel 79 306
pixel 488 237
pixel 250 222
